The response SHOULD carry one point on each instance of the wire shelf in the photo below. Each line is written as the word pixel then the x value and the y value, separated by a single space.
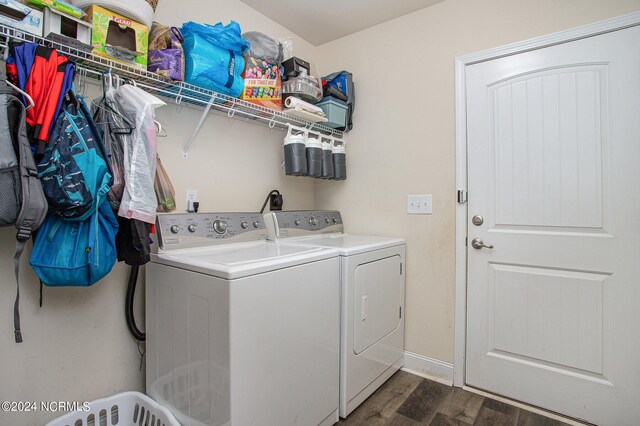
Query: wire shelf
pixel 176 91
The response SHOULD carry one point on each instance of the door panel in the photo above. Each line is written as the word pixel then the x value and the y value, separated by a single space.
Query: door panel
pixel 549 316
pixel 553 139
pixel 377 285
pixel 544 176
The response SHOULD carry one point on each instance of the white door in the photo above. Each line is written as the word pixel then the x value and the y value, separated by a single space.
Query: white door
pixel 553 309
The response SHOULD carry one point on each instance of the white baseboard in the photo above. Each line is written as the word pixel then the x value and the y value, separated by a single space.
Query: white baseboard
pixel 429 368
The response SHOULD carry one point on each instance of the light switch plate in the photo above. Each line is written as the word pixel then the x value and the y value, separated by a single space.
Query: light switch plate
pixel 420 204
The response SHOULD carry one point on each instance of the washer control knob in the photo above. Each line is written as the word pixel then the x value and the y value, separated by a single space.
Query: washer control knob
pixel 313 221
pixel 244 225
pixel 256 224
pixel 175 229
pixel 327 220
pixel 220 226
pixel 192 227
pixel 297 222
pixel 335 220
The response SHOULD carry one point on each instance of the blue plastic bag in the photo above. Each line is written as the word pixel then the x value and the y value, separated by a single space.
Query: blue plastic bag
pixel 213 56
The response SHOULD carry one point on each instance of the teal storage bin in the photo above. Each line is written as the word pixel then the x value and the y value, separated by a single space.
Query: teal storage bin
pixel 335 110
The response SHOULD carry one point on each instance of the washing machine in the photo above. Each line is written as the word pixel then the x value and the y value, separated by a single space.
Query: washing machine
pixel 372 297
pixel 241 331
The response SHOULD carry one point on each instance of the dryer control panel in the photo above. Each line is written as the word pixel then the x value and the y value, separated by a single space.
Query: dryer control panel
pixel 303 222
pixel 181 230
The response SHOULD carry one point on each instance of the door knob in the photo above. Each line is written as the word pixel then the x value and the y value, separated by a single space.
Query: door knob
pixel 477 220
pixel 478 244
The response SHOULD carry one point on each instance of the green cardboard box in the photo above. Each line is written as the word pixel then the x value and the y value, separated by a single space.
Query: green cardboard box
pixel 119 38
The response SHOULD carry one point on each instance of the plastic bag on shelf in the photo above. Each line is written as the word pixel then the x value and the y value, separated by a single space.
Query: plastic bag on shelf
pixel 287 47
pixel 166 56
pixel 263 47
pixel 213 56
pixel 165 193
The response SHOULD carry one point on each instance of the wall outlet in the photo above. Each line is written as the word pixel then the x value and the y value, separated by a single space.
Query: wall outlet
pixel 192 196
pixel 420 204
pixel 276 201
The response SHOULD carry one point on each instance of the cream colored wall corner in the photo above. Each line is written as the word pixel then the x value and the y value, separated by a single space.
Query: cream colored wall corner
pixel 77 347
pixel 403 141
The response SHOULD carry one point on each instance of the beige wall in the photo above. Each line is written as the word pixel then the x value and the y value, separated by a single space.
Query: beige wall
pixel 404 137
pixel 77 346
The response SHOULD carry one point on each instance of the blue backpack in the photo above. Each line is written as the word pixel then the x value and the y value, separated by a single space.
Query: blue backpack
pixel 74 170
pixel 75 245
pixel 75 253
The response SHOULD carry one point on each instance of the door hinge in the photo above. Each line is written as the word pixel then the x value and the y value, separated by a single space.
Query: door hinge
pixel 400 268
pixel 462 196
pixel 400 312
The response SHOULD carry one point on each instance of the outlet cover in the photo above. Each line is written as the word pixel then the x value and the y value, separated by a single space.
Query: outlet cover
pixel 420 204
pixel 191 195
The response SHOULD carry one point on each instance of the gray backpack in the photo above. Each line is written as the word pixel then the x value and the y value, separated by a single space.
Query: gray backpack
pixel 23 203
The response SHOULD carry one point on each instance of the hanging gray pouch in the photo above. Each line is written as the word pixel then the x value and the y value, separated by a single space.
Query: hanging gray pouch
pixel 339 162
pixel 327 159
pixel 295 156
pixel 314 156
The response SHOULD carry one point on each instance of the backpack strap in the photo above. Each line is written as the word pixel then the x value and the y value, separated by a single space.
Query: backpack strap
pixel 16 306
pixel 34 204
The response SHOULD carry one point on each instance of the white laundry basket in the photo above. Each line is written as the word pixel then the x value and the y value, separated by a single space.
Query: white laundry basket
pixel 123 409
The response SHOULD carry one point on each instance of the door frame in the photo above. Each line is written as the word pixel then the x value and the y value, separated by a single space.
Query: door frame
pixel 461 62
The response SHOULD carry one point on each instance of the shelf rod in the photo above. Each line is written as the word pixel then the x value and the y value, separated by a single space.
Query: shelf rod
pixel 196 130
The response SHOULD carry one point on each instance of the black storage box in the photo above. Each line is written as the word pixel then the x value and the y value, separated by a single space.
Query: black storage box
pixel 293 66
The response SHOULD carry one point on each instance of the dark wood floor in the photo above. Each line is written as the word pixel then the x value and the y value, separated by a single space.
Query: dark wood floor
pixel 410 400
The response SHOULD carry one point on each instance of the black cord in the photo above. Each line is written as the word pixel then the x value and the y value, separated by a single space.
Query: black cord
pixel 273 192
pixel 128 311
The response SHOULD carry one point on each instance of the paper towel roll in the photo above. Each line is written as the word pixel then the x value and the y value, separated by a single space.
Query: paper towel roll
pixel 297 103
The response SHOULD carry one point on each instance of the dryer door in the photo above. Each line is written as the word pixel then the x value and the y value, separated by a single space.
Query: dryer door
pixel 378 298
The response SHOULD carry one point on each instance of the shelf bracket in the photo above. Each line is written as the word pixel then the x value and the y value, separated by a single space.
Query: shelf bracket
pixel 203 117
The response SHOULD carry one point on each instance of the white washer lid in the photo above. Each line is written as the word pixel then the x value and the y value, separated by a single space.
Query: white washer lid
pixel 233 261
pixel 346 244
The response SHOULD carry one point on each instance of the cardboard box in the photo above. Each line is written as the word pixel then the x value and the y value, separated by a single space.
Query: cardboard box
pixel 262 84
pixel 21 17
pixel 67 29
pixel 119 38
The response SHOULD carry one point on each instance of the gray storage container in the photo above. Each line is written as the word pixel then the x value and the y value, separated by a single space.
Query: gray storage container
pixel 314 156
pixel 327 160
pixel 295 155
pixel 335 110
pixel 339 162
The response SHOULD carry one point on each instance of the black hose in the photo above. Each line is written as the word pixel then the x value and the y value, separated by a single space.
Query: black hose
pixel 128 310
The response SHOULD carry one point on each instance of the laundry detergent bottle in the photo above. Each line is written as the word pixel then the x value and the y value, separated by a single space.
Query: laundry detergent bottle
pixel 314 156
pixel 295 156
pixel 339 161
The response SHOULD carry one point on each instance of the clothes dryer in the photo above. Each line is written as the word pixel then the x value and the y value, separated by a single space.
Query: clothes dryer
pixel 241 331
pixel 372 297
